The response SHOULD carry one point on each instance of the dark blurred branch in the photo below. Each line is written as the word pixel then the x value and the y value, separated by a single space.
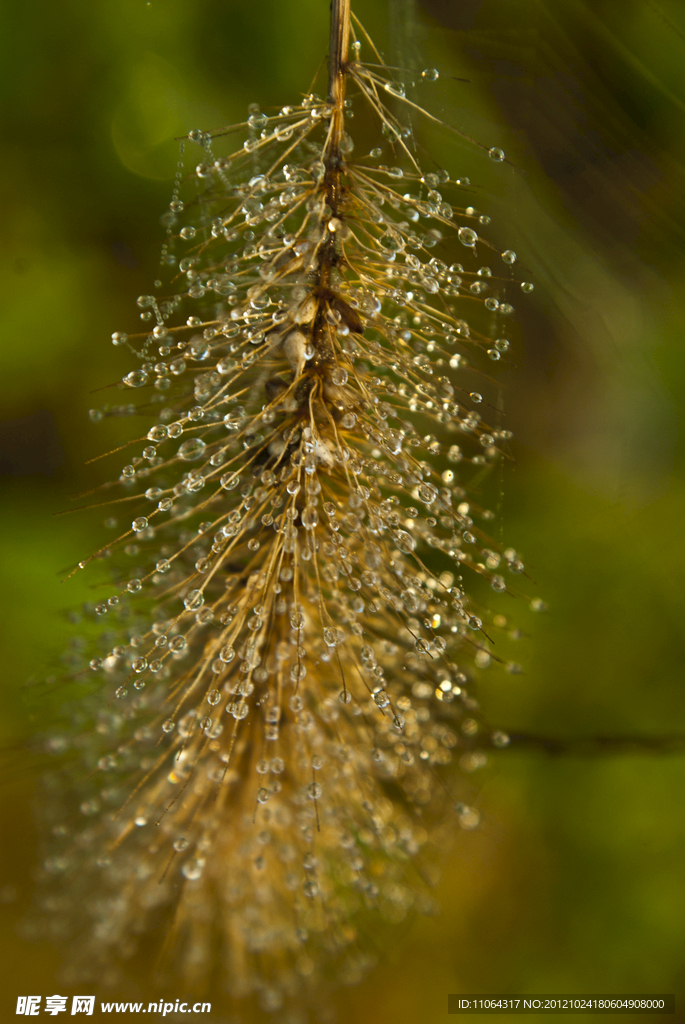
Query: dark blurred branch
pixel 594 746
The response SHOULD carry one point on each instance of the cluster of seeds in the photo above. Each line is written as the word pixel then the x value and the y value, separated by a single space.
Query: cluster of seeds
pixel 296 615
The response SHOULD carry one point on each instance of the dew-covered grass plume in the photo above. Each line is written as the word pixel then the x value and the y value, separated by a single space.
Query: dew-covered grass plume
pixel 294 613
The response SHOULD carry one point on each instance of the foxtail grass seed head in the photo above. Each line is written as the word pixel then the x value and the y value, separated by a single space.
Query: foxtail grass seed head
pixel 282 683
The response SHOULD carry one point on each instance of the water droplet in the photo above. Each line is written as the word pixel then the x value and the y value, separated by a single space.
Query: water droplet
pixel 257 120
pixel 468 817
pixel 467 236
pixel 192 869
pixel 194 600
pixel 136 378
pixel 428 493
pixel 496 154
pixel 310 518
pixel 405 541
pixel 191 449
pixel 332 637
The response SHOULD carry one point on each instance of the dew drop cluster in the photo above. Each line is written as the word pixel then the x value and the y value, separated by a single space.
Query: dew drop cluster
pixel 294 590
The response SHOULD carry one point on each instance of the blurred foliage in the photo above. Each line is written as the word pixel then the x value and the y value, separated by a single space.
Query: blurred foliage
pixel 574 882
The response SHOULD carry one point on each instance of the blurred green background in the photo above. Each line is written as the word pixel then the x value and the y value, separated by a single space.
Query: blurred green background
pixel 575 880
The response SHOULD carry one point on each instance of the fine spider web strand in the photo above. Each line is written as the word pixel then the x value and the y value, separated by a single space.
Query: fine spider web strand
pixel 291 672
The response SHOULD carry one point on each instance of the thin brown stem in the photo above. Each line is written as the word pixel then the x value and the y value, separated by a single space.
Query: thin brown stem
pixel 340 38
pixel 337 66
pixel 332 157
